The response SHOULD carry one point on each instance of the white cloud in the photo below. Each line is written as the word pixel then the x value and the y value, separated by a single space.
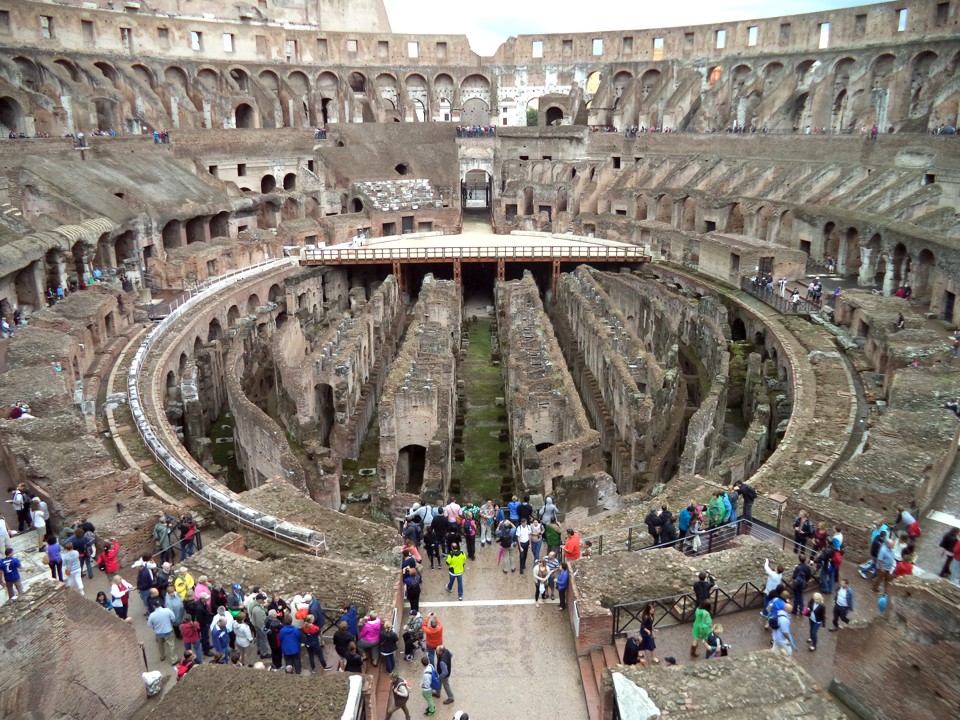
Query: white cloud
pixel 489 22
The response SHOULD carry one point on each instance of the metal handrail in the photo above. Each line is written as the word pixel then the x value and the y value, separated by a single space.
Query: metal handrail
pixel 201 484
pixel 547 252
pixel 773 299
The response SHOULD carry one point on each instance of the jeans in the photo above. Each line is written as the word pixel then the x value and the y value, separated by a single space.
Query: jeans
pixel 389 661
pixel 195 646
pixel 459 584
pixel 840 613
pixel 471 546
pixel 186 549
pixel 144 596
pixel 85 560
pixel 814 629
pixel 433 552
pixel 797 601
pixel 432 655
pixel 826 580
pixel 955 572
pixel 316 652
pixel 56 570
pixel 871 568
pixel 562 592
pixel 535 545
pixel 748 509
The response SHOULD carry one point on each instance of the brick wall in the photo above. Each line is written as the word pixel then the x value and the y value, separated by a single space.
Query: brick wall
pixel 65 656
pixel 904 664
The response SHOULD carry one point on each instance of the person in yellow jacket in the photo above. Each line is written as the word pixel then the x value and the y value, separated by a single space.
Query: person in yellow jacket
pixel 183 582
pixel 456 559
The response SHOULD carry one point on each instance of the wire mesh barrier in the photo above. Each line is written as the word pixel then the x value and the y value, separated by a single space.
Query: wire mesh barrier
pixel 781 304
pixel 185 470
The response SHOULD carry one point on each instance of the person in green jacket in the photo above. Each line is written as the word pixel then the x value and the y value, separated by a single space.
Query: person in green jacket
pixel 715 510
pixel 552 536
pixel 702 624
pixel 456 559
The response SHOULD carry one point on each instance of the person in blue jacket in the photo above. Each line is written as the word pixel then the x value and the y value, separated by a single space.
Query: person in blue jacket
pixel 291 638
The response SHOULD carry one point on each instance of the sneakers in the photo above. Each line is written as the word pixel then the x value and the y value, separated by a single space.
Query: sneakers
pixel 328 667
pixel 448 701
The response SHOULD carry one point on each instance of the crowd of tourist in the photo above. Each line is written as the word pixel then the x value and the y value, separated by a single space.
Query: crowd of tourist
pixel 476 131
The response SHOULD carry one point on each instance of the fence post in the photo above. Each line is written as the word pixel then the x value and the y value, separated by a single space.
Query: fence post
pixel 629 539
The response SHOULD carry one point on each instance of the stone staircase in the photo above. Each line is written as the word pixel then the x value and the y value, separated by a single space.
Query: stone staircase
pixel 591 675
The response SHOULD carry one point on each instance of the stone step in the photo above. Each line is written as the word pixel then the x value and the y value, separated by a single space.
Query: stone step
pixel 599 663
pixel 591 692
pixel 611 656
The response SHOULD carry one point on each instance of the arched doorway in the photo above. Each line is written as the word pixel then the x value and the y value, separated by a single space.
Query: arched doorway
pixel 11 116
pixel 920 282
pixel 849 262
pixel 738 330
pixel 268 184
pixel 244 116
pixel 477 189
pixel 554 116
pixel 475 112
pixel 831 241
pixel 290 181
pixel 323 405
pixel 411 463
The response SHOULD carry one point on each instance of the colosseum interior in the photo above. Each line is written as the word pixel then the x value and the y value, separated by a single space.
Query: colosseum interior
pixel 289 271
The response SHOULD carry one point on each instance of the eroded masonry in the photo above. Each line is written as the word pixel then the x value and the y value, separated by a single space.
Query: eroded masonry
pixel 282 268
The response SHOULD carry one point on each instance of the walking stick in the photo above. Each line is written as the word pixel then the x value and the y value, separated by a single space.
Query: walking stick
pixel 144 651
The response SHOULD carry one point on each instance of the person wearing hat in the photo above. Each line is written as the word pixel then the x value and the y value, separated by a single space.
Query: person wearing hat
pixel 258 618
pixel 235 599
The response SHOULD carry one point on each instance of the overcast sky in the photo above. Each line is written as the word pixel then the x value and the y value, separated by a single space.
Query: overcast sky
pixel 489 22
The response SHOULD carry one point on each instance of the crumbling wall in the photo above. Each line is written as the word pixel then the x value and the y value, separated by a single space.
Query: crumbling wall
pixel 53 665
pixel 418 406
pixel 544 405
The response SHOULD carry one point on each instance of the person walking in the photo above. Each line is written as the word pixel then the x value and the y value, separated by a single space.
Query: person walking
pixel 541 576
pixel 426 686
pixel 774 579
pixel 161 621
pixel 11 573
pixel 536 538
pixel 647 643
pixel 816 613
pixel 888 563
pixel 782 639
pixel 389 641
pixel 456 560
pixel 523 543
pixel 433 634
pixel 469 529
pixel 842 605
pixel 505 534
pixel 487 514
pixel 54 557
pixel 702 624
pixel 401 693
pixel 445 669
pixel 71 567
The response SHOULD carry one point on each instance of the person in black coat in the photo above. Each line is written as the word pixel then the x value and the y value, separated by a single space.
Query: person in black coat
pixel 652 521
pixel 631 653
pixel 668 531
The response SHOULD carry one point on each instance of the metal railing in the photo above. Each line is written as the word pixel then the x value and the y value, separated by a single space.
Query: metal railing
pixel 636 537
pixel 198 482
pixel 680 609
pixel 773 299
pixel 335 254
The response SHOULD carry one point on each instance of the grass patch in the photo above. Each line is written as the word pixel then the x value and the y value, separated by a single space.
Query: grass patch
pixel 224 454
pixel 369 458
pixel 480 472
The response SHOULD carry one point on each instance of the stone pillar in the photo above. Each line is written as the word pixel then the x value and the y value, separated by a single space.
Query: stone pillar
pixel 888 283
pixel 867 267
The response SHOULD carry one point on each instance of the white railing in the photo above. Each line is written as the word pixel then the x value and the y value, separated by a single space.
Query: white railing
pixel 335 254
pixel 198 483
pixel 354 709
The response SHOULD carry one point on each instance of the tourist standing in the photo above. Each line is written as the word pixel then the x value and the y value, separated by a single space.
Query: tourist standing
pixel 71 567
pixel 426 686
pixel 456 561
pixel 11 573
pixel 54 557
pixel 445 669
pixel 782 639
pixel 817 615
pixel 647 643
pixel 161 621
pixel 842 605
pixel 563 582
pixel 702 625
pixel 541 576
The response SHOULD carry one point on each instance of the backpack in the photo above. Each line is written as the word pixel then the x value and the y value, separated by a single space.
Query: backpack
pixel 773 618
pixel 748 493
pixel 434 679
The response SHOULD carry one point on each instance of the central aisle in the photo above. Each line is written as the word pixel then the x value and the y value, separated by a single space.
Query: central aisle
pixel 511 658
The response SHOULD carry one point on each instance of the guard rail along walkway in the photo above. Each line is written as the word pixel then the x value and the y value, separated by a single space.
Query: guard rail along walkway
pixel 338 255
pixel 681 609
pixel 196 481
pixel 773 299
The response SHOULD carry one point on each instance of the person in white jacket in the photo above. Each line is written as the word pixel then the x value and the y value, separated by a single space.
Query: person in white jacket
pixel 243 636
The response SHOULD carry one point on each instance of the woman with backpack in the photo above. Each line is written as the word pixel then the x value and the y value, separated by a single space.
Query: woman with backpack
pixel 401 693
pixel 411 582
pixel 469 529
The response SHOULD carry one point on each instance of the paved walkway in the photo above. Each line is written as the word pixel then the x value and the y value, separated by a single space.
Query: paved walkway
pixel 511 657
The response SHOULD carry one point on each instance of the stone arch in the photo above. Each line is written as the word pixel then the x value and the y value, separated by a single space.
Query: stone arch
pixel 107 115
pixel 290 181
pixel 527 201
pixel 738 331
pixel 800 113
pixel 270 80
pixel 125 247
pixel 715 75
pixel 688 217
pixel 641 208
pixel 735 220
pixel 182 365
pixel 785 231
pixel 620 81
pixel 411 464
pixel 831 241
pixel 109 72
pixel 839 115
pixel 30 76
pixel 356 205
pixel 175 76
pixel 72 69
pixel 253 302
pixel 244 116
pixel 762 223
pixel 882 66
pixel 214 330
pixel 562 199
pixel 772 71
pixel 242 78
pixel 739 75
pixel 233 314
pixel 196 228
pixel 325 411
pixel 878 260
pixel 290 209
pixel 209 80
pixel 665 208
pixel 849 262
pixel 593 82
pixel 172 235
pixel 803 70
pixel 357 82
pixel 275 294
pixel 475 112
pixel 220 225
pixel 554 115
pixel 842 68
pixel 299 82
pixel 920 281
pixel 901 265
pixel 11 116
pixel 268 183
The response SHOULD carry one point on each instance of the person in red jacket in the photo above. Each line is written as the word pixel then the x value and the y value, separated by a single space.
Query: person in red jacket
pixel 571 548
pixel 108 558
pixel 190 630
